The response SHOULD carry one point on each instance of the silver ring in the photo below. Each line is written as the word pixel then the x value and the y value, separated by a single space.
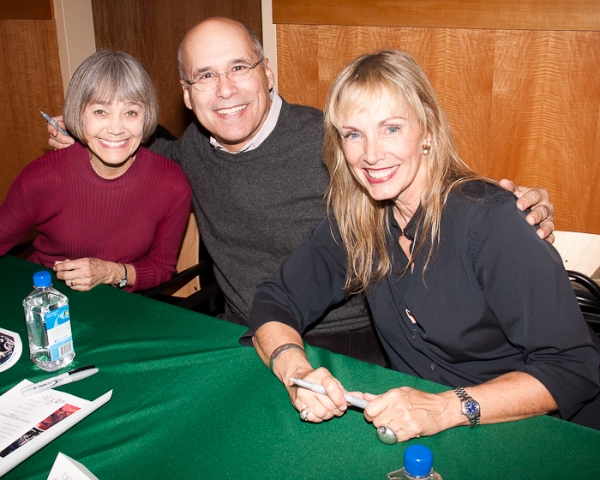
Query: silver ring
pixel 304 414
pixel 387 435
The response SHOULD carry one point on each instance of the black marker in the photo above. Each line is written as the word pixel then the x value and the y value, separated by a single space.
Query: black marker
pixel 52 122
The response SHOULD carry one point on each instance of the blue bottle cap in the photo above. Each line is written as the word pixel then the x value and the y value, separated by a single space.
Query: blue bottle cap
pixel 42 279
pixel 418 461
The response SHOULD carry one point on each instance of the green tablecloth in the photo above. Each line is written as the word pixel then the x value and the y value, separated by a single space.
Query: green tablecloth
pixel 189 402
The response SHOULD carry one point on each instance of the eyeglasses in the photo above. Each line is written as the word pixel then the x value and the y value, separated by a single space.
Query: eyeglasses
pixel 209 80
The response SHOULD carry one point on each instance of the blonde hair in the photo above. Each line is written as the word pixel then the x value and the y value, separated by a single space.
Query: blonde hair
pixel 106 76
pixel 363 221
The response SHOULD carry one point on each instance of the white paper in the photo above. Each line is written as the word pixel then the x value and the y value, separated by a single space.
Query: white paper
pixel 29 423
pixel 66 468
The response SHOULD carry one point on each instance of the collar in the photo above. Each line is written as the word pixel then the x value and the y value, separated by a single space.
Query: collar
pixel 410 231
pixel 264 131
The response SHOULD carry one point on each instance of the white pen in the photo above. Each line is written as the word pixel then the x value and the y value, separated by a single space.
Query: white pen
pixel 62 379
pixel 315 387
pixel 52 122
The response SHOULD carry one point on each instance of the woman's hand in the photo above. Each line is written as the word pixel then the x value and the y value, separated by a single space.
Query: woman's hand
pixel 85 273
pixel 542 211
pixel 320 407
pixel 412 413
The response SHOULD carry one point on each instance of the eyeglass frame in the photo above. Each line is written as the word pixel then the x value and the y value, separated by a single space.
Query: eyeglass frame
pixel 251 66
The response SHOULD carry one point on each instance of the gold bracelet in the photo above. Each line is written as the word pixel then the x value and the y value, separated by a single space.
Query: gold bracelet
pixel 286 347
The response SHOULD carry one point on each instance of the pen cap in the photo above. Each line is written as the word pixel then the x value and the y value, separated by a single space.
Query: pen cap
pixel 418 461
pixel 42 279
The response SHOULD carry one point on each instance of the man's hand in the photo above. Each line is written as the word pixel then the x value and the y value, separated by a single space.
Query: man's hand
pixel 57 140
pixel 542 211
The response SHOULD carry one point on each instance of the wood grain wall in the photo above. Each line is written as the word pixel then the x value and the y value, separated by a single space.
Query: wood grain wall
pixel 151 30
pixel 523 104
pixel 30 81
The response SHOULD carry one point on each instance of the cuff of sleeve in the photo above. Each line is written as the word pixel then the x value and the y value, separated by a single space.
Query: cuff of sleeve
pixel 265 311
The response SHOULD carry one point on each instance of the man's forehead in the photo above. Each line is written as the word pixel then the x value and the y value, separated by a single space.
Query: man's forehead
pixel 219 53
pixel 199 64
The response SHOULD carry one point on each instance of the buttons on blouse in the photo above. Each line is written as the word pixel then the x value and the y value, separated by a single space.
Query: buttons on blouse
pixel 415 325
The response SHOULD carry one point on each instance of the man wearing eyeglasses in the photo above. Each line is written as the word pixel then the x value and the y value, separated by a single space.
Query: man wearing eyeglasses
pixel 258 177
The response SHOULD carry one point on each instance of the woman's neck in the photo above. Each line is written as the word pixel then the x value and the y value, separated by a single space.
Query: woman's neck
pixel 110 172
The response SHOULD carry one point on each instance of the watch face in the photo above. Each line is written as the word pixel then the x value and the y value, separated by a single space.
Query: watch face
pixel 471 408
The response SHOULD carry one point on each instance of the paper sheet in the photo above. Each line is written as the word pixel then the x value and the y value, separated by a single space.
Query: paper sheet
pixel 66 468
pixel 29 423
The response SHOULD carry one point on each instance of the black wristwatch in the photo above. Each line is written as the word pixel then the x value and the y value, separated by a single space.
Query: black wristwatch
pixel 123 281
pixel 470 407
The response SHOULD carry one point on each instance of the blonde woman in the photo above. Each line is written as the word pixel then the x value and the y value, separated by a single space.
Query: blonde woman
pixel 462 290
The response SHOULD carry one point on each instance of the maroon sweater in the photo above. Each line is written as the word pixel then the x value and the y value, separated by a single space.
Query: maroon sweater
pixel 138 218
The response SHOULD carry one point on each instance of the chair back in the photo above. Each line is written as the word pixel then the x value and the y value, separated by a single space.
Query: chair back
pixel 189 255
pixel 580 252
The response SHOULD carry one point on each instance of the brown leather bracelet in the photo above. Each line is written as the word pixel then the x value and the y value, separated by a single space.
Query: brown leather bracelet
pixel 286 347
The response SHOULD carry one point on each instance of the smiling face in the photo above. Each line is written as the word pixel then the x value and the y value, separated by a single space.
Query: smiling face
pixel 232 112
pixel 383 146
pixel 113 132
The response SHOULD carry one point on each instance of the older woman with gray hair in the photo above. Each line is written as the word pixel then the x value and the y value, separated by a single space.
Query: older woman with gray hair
pixel 107 211
pixel 462 290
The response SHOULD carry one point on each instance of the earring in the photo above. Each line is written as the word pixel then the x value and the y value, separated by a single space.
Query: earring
pixel 426 149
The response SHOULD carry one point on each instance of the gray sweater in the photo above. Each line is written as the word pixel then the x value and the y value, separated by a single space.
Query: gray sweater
pixel 255 207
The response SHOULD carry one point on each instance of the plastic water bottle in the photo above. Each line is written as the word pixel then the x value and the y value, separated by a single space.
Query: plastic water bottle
pixel 418 464
pixel 48 325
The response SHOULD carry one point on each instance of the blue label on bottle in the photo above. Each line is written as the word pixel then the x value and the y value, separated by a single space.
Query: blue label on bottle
pixel 58 317
pixel 58 327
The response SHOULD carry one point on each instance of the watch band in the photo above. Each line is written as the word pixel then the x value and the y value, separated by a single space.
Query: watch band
pixel 469 408
pixel 286 347
pixel 123 281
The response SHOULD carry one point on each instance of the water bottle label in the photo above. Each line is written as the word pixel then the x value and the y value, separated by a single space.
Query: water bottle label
pixel 58 326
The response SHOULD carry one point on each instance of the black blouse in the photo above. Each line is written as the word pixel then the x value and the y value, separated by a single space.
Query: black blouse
pixel 495 298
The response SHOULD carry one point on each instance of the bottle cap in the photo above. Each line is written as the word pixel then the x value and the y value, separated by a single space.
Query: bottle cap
pixel 42 279
pixel 418 461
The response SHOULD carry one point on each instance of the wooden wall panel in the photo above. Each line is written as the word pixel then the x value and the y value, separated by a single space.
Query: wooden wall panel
pixel 30 81
pixel 504 14
pixel 523 104
pixel 26 10
pixel 151 30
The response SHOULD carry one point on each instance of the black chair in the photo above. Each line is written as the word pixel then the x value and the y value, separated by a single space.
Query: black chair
pixel 193 286
pixel 588 297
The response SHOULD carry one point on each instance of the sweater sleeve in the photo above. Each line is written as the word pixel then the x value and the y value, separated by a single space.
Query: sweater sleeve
pixel 527 288
pixel 158 265
pixel 308 283
pixel 164 147
pixel 15 216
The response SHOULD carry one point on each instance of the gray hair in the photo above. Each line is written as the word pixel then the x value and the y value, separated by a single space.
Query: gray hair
pixel 255 44
pixel 104 77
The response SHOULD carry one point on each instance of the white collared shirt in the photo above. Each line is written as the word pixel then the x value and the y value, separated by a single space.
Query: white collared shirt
pixel 264 131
